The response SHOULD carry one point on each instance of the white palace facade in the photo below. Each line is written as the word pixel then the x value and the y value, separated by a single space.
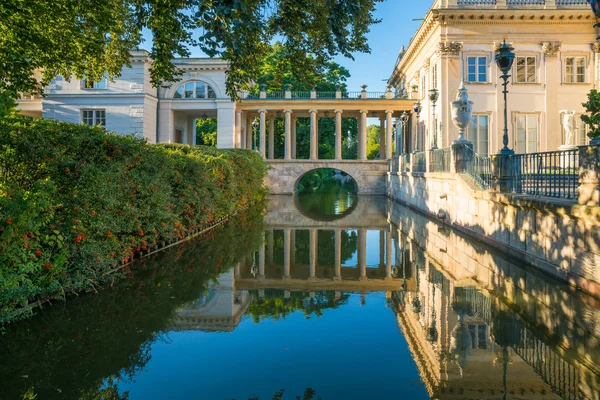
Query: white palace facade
pixel 556 65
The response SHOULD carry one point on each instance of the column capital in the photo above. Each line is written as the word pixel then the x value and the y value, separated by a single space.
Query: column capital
pixel 389 111
pixel 238 112
pixel 313 111
pixel 338 111
pixel 287 111
pixel 364 111
pixel 262 110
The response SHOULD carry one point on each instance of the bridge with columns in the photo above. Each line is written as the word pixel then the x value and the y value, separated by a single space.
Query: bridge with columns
pixel 285 172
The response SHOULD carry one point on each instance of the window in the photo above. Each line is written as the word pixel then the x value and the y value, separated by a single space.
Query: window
pixel 477 69
pixel 88 84
pixel 527 134
pixel 434 77
pixel 478 133
pixel 94 117
pixel 195 90
pixel 526 69
pixel 423 87
pixel 575 69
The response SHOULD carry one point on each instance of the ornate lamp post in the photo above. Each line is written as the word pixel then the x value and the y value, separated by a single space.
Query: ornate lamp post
pixel 434 94
pixel 417 109
pixel 504 60
pixel 400 143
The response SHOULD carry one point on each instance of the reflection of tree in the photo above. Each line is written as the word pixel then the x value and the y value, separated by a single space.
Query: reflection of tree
pixel 326 180
pixel 73 351
pixel 275 305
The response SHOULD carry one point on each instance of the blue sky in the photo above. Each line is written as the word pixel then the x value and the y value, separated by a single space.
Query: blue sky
pixel 385 39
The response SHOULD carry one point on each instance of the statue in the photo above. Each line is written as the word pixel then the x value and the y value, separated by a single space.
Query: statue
pixel 461 113
pixel 569 125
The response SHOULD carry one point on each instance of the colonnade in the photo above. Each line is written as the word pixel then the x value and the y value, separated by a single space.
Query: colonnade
pixel 265 253
pixel 290 124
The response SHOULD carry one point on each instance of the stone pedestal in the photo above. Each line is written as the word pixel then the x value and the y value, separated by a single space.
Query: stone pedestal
pixel 589 175
pixel 503 171
pixel 462 154
pixel 567 161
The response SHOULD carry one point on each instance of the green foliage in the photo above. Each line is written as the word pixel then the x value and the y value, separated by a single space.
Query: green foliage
pixel 326 180
pixel 592 119
pixel 206 131
pixel 7 104
pixel 61 37
pixel 79 351
pixel 274 305
pixel 75 201
pixel 373 142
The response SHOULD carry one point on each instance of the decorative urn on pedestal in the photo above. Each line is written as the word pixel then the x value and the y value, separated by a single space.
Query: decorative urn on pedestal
pixel 462 109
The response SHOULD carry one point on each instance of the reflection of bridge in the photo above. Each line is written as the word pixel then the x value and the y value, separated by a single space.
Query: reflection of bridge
pixel 369 212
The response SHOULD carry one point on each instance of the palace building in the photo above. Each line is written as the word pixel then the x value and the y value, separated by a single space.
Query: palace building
pixel 556 65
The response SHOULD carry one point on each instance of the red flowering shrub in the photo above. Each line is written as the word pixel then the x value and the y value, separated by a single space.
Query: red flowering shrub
pixel 63 232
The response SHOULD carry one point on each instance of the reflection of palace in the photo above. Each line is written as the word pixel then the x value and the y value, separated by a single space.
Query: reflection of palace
pixel 466 342
pixel 219 309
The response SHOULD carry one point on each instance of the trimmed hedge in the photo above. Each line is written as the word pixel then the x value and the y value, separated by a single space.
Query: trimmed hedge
pixel 76 201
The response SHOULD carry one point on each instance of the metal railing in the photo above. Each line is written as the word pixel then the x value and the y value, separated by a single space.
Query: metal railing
pixel 303 95
pixel 550 174
pixel 522 3
pixel 326 95
pixel 440 160
pixel 419 162
pixel 479 168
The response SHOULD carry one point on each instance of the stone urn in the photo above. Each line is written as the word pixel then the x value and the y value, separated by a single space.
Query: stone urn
pixel 462 110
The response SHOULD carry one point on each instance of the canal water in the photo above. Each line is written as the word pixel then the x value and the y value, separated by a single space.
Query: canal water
pixel 364 299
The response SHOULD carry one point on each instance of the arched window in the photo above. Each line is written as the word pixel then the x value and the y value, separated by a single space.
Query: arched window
pixel 195 90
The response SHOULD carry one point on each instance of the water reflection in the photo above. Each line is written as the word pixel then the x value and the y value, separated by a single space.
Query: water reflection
pixel 404 306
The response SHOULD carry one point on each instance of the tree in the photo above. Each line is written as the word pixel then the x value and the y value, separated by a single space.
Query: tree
pixel 279 69
pixel 65 37
pixel 592 118
pixel 206 131
pixel 7 104
pixel 373 144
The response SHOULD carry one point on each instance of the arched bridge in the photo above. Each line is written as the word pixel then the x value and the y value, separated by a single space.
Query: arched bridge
pixel 370 176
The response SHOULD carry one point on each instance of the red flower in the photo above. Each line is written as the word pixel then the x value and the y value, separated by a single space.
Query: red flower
pixel 51 226
pixel 47 266
pixel 67 170
pixel 140 232
pixel 38 253
pixel 109 234
pixel 80 237
pixel 9 221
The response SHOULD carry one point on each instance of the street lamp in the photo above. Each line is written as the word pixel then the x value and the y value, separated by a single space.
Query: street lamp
pixel 504 60
pixel 404 120
pixel 434 94
pixel 417 109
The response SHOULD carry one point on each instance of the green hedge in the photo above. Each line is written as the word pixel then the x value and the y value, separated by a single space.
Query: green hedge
pixel 75 201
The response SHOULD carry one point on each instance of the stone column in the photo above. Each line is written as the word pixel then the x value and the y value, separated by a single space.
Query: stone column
pixel 388 134
pixel 286 252
pixel 271 138
pixel 288 135
pixel 314 135
pixel 249 133
pixel 381 248
pixel 263 133
pixel 293 137
pixel 338 255
pixel 388 254
pixel 362 135
pixel 382 140
pixel 312 245
pixel 338 134
pixel 362 253
pixel 238 130
pixel 261 260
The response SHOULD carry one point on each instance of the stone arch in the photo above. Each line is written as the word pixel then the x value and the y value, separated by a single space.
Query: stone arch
pixel 307 169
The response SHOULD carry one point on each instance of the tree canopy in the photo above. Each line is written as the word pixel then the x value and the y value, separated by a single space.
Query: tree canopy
pixel 65 37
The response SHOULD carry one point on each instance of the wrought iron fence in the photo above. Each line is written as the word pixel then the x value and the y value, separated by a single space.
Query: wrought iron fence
pixel 479 168
pixel 301 95
pixel 440 160
pixel 326 95
pixel 419 162
pixel 550 174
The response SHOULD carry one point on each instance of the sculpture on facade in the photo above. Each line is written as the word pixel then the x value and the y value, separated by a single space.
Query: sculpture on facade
pixel 462 108
pixel 569 125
